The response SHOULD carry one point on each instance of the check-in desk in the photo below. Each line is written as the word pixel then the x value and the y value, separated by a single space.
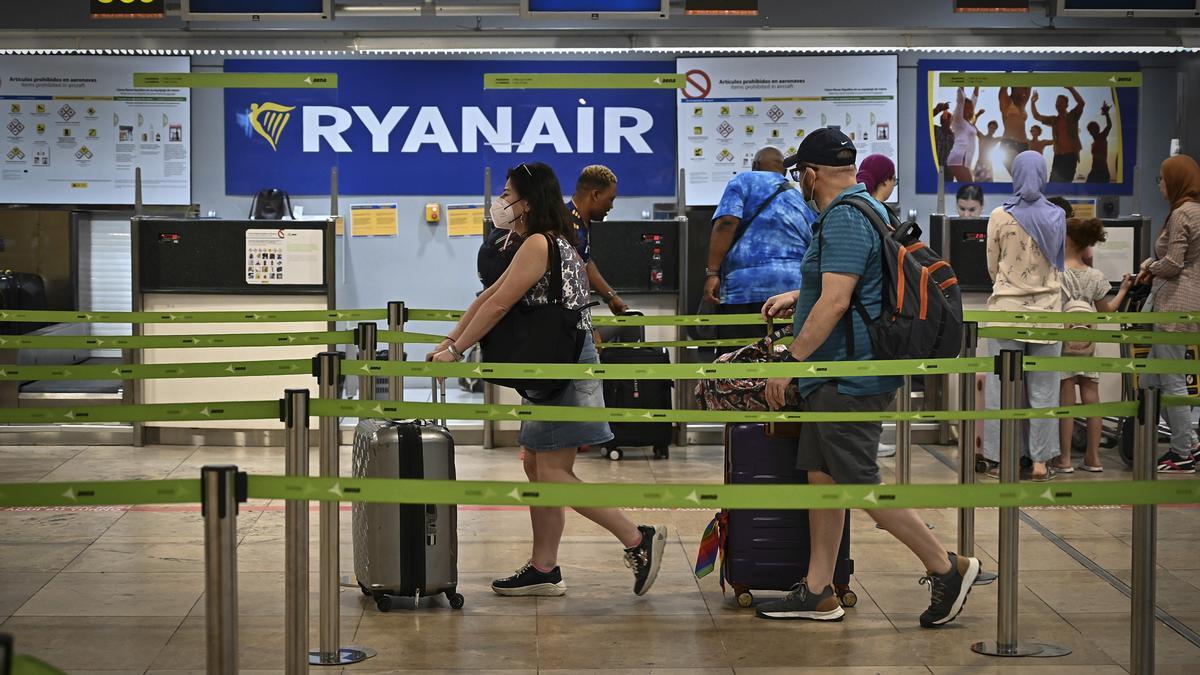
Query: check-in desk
pixel 194 265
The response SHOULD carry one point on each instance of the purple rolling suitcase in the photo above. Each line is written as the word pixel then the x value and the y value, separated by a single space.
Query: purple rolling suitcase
pixel 768 550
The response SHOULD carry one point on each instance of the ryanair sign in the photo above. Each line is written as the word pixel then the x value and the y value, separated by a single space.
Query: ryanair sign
pixel 430 128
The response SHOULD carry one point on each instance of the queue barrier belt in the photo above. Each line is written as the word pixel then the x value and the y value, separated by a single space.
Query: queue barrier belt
pixel 702 371
pixel 244 410
pixel 446 315
pixel 620 495
pixel 1087 335
pixel 217 340
pixel 59 316
pixel 979 316
pixel 154 371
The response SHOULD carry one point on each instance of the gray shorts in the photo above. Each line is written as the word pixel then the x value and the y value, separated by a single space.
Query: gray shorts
pixel 847 451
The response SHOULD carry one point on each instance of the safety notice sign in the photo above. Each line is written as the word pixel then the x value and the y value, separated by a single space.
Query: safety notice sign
pixel 729 108
pixel 78 128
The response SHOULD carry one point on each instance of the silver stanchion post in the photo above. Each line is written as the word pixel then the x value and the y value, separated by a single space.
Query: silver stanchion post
pixel 397 315
pixel 966 439
pixel 904 433
pixel 1009 367
pixel 366 338
pixel 295 534
pixel 1145 524
pixel 331 653
pixel 966 449
pixel 221 488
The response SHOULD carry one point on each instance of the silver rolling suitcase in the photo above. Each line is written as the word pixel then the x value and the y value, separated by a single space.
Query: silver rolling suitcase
pixel 402 549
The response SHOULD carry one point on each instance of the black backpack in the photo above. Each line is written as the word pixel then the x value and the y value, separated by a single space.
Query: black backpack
pixel 270 204
pixel 496 254
pixel 921 314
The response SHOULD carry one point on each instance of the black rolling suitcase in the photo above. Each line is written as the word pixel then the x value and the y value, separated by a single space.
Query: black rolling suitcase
pixel 408 550
pixel 650 394
pixel 768 550
pixel 21 291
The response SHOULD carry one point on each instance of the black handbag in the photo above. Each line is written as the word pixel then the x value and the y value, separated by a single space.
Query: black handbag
pixel 537 334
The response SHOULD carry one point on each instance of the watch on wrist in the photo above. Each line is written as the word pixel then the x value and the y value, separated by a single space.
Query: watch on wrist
pixel 710 272
pixel 458 356
pixel 787 357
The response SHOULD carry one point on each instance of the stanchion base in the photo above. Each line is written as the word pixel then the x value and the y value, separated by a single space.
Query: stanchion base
pixel 1036 649
pixel 984 578
pixel 342 657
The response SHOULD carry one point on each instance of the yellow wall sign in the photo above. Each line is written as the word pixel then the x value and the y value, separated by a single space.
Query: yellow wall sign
pixel 374 220
pixel 465 220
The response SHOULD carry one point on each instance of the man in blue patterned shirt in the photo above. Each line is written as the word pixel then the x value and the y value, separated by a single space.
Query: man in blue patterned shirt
pixel 761 230
pixel 846 262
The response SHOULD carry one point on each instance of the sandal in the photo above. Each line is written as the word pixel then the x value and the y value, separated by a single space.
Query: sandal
pixel 1062 469
pixel 1092 469
pixel 1050 474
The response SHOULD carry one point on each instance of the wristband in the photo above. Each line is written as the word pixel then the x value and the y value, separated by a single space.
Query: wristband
pixel 709 272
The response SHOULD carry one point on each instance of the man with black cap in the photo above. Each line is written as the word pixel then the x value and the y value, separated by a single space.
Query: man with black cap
pixel 843 267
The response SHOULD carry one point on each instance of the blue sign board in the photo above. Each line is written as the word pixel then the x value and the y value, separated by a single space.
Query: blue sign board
pixel 416 127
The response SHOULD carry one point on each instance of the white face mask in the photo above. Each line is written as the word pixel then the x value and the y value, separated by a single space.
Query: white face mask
pixel 503 215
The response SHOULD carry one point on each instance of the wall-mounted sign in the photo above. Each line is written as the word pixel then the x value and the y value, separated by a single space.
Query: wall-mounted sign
pixel 464 220
pixel 128 9
pixel 730 108
pixel 374 220
pixel 76 130
pixel 430 128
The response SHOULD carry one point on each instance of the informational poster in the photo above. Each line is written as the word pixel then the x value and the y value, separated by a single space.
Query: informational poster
pixel 374 220
pixel 465 220
pixel 1082 207
pixel 730 108
pixel 974 116
pixel 75 130
pixel 284 257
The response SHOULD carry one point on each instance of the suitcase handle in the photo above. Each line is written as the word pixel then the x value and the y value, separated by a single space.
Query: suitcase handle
pixel 439 393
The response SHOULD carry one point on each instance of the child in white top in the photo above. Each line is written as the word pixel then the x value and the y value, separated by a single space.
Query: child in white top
pixel 1084 290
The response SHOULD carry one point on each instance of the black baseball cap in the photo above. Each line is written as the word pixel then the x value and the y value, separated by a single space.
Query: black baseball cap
pixel 824 147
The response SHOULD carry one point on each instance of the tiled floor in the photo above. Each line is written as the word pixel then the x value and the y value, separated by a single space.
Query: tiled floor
pixel 120 590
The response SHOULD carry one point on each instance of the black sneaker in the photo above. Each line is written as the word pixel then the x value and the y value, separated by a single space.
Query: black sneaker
pixel 948 592
pixel 1173 463
pixel 801 603
pixel 528 581
pixel 645 558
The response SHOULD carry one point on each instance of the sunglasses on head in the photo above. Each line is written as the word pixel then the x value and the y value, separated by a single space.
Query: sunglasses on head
pixel 527 170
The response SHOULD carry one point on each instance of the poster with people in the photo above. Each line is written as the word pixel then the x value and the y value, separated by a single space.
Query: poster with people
pixel 975 116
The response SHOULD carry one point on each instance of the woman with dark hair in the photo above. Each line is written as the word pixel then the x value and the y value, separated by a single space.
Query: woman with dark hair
pixel 969 201
pixel 532 204
pixel 1175 271
pixel 1026 237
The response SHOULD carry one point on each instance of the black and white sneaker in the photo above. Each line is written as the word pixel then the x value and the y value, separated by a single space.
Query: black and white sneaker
pixel 1174 463
pixel 645 558
pixel 801 603
pixel 528 581
pixel 948 592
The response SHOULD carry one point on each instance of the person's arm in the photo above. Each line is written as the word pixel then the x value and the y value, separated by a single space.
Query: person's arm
pixel 1044 119
pixel 1170 265
pixel 1114 305
pixel 1077 111
pixel 975 97
pixel 960 98
pixel 836 291
pixel 468 315
pixel 720 240
pixel 526 268
pixel 606 292
pixel 1107 124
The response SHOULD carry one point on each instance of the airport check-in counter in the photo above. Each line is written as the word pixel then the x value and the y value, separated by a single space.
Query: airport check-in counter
pixel 183 265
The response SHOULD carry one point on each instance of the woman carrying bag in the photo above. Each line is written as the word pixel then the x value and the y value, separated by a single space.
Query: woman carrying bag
pixel 1175 271
pixel 546 285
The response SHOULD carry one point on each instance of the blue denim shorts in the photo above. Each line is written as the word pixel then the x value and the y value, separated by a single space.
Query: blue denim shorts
pixel 543 436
